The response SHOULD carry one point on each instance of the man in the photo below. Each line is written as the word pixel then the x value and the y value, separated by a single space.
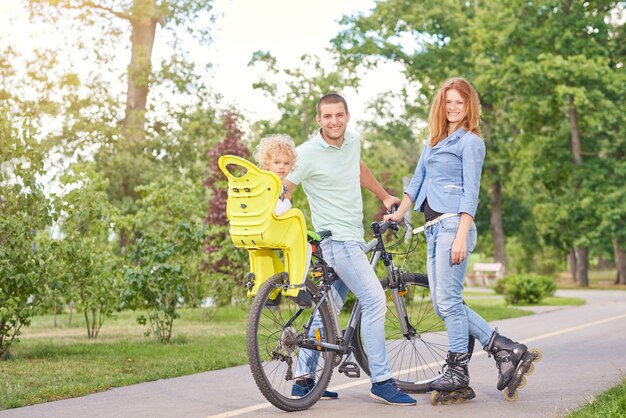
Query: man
pixel 332 173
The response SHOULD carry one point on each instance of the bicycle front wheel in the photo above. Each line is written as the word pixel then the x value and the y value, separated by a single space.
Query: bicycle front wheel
pixel 417 358
pixel 274 334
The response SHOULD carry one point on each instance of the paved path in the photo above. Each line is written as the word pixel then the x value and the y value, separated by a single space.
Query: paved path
pixel 584 351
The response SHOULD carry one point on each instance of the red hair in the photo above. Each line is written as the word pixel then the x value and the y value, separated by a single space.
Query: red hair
pixel 437 120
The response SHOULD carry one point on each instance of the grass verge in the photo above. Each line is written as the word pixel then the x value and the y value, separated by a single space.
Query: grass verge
pixel 609 404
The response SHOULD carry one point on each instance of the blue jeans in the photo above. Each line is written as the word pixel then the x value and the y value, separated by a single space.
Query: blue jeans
pixel 353 268
pixel 446 286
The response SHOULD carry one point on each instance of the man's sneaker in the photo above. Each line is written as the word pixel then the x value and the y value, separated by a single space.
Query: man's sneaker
pixel 388 392
pixel 302 387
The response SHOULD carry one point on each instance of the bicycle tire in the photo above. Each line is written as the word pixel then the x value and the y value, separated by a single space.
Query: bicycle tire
pixel 273 350
pixel 417 360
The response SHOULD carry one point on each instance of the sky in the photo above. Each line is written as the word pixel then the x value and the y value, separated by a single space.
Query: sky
pixel 286 28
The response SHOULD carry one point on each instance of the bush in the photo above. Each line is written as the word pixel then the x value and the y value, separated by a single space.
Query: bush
pixel 525 289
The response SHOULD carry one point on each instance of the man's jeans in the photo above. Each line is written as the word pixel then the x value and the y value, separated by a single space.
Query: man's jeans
pixel 446 285
pixel 353 268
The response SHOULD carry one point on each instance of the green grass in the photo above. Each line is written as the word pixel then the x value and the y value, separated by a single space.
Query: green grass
pixel 598 279
pixel 52 363
pixel 609 404
pixel 58 363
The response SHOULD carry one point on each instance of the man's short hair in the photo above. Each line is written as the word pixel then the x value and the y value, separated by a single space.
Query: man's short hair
pixel 331 98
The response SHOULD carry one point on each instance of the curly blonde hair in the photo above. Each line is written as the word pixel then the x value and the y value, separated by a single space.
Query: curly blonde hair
pixel 274 145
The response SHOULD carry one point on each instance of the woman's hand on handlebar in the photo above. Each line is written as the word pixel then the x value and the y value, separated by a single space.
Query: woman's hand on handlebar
pixel 398 214
pixel 394 216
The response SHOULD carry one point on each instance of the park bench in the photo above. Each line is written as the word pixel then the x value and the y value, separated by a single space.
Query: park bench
pixel 485 274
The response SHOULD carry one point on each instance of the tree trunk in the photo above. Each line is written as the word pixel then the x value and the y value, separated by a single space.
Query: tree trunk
pixel 620 260
pixel 582 271
pixel 496 217
pixel 144 19
pixel 497 227
pixel 573 267
pixel 575 131
pixel 582 253
pixel 70 313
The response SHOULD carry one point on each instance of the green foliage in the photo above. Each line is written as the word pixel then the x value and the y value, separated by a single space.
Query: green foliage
pixel 525 289
pixel 164 262
pixel 88 272
pixel 300 89
pixel 541 78
pixel 25 212
pixel 228 265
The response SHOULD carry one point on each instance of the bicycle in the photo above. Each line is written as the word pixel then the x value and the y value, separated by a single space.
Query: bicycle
pixel 280 335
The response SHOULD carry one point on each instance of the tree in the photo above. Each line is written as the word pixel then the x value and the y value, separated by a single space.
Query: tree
pixel 435 41
pixel 227 264
pixel 542 71
pixel 123 154
pixel 298 92
pixel 163 270
pixel 90 269
pixel 25 213
pixel 564 65
pixel 142 16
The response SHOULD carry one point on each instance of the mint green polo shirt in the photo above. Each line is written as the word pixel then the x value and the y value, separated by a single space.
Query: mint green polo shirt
pixel 331 179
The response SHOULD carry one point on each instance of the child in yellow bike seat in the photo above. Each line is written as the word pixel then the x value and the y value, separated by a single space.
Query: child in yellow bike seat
pixel 277 153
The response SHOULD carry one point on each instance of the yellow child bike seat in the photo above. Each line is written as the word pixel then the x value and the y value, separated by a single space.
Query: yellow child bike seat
pixel 252 196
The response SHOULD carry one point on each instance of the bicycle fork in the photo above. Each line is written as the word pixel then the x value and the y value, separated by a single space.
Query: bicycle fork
pixel 396 293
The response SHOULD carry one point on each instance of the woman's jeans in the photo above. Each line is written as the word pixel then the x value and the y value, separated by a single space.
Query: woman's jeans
pixel 353 268
pixel 446 285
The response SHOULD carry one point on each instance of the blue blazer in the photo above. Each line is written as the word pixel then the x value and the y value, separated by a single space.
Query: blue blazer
pixel 448 174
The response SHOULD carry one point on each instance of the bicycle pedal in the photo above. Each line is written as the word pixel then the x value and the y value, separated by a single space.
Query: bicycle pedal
pixel 350 369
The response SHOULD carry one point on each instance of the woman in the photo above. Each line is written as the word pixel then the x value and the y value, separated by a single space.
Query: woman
pixel 445 187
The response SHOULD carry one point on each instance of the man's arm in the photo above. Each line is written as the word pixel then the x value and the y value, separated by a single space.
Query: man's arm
pixel 370 183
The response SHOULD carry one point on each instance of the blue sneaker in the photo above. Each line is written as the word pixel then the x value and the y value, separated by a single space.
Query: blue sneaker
pixel 388 392
pixel 302 387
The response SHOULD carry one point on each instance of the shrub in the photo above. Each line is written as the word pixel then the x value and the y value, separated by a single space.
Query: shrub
pixel 500 286
pixel 525 289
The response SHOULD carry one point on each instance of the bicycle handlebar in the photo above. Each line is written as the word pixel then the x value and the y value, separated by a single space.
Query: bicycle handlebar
pixel 382 226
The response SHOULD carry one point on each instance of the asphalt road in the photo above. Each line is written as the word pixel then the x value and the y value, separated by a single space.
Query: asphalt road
pixel 584 353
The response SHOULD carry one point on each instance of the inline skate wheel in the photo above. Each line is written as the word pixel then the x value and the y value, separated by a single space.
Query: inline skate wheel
pixel 531 369
pixel 537 353
pixel 510 398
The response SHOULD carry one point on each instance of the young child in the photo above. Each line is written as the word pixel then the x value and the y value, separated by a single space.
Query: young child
pixel 277 153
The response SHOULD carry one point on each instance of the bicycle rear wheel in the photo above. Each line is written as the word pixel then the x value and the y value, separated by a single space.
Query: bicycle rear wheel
pixel 417 358
pixel 273 334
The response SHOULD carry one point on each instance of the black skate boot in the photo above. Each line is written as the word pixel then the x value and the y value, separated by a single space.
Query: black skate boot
pixel 514 362
pixel 453 384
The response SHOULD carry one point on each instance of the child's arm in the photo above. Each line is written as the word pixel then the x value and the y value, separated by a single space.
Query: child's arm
pixel 290 187
pixel 282 206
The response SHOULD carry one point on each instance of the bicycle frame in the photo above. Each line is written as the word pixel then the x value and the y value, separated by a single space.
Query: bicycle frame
pixel 379 253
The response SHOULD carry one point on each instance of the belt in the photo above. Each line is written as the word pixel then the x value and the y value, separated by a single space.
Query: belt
pixel 439 219
pixel 434 221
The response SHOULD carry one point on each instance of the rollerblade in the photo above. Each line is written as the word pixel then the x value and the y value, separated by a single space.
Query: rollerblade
pixel 514 361
pixel 453 384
